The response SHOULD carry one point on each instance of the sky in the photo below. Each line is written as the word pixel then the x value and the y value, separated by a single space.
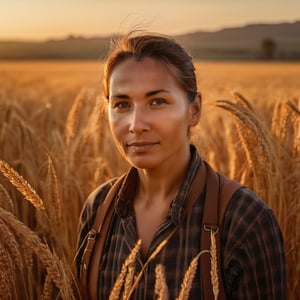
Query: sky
pixel 41 19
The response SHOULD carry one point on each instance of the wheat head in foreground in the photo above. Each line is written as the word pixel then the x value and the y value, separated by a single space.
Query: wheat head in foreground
pixel 22 185
pixel 161 287
pixel 126 275
pixel 189 276
pixel 214 265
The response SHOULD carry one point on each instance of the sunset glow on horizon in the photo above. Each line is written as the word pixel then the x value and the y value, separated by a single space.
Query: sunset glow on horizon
pixel 35 20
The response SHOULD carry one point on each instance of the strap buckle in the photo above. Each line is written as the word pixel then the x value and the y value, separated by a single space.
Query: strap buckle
pixel 211 228
pixel 92 234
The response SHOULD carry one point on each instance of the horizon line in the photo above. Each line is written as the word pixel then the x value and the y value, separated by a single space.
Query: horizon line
pixel 108 35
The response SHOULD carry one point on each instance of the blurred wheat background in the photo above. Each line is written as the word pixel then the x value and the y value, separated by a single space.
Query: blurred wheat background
pixel 55 148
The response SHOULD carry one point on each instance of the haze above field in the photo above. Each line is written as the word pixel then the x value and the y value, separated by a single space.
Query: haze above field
pixel 237 43
pixel 39 20
pixel 63 29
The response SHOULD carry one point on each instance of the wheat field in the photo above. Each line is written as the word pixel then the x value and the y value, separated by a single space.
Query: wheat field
pixel 55 148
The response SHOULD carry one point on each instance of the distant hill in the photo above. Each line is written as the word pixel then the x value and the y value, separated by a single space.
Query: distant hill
pixel 238 43
pixel 245 42
pixel 70 48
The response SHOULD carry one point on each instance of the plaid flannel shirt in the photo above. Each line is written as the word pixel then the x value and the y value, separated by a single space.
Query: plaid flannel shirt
pixel 252 249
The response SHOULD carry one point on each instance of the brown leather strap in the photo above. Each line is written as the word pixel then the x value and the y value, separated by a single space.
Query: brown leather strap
pixel 227 189
pixel 219 191
pixel 90 262
pixel 196 188
pixel 89 270
pixel 95 242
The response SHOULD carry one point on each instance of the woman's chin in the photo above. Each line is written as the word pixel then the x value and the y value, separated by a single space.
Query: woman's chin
pixel 143 163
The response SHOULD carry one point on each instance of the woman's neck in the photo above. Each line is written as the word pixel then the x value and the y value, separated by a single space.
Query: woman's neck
pixel 163 183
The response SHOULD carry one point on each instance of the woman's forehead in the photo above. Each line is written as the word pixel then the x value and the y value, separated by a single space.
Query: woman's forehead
pixel 148 70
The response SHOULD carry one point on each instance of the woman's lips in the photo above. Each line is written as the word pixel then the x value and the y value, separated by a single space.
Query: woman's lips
pixel 141 146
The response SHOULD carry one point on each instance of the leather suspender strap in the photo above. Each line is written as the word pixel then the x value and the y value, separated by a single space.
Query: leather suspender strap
pixel 196 188
pixel 93 252
pixel 219 191
pixel 95 243
pixel 214 208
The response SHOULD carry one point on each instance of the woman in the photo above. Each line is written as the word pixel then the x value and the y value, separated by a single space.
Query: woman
pixel 152 98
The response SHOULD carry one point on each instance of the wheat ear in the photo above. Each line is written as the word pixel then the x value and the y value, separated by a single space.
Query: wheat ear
pixel 115 292
pixel 53 193
pixel 161 287
pixel 57 270
pixel 5 199
pixel 214 265
pixel 72 123
pixel 241 99
pixel 153 255
pixel 189 276
pixel 22 185
pixel 128 281
pixel 9 241
pixel 47 289
pixel 7 274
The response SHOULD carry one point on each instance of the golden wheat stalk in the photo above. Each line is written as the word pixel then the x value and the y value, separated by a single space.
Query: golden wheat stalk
pixel 5 199
pixel 248 120
pixel 161 287
pixel 115 292
pixel 152 256
pixel 22 185
pixel 214 266
pixel 7 275
pixel 241 99
pixel 262 158
pixel 128 281
pixel 47 289
pixel 53 193
pixel 296 127
pixel 9 241
pixel 72 124
pixel 189 276
pixel 294 108
pixel 276 119
pixel 58 271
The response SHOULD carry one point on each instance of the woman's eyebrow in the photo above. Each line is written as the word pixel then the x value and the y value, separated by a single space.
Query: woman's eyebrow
pixel 152 93
pixel 148 94
pixel 120 96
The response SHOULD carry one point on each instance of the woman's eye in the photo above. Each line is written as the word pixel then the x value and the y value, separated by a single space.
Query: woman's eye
pixel 158 101
pixel 123 105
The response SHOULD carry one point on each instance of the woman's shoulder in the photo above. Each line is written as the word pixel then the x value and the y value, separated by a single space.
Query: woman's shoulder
pixel 100 192
pixel 246 199
pixel 96 197
pixel 247 211
pixel 88 214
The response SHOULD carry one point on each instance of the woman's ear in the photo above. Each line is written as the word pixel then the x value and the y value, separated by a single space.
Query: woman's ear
pixel 195 110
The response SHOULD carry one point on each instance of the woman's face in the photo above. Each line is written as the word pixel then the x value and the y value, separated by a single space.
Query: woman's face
pixel 149 114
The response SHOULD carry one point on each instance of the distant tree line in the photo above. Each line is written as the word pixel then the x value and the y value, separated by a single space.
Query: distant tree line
pixel 268 48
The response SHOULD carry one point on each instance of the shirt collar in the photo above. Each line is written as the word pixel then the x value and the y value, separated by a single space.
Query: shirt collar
pixel 124 203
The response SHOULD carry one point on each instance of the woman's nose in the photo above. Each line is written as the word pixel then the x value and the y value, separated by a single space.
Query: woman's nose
pixel 138 121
